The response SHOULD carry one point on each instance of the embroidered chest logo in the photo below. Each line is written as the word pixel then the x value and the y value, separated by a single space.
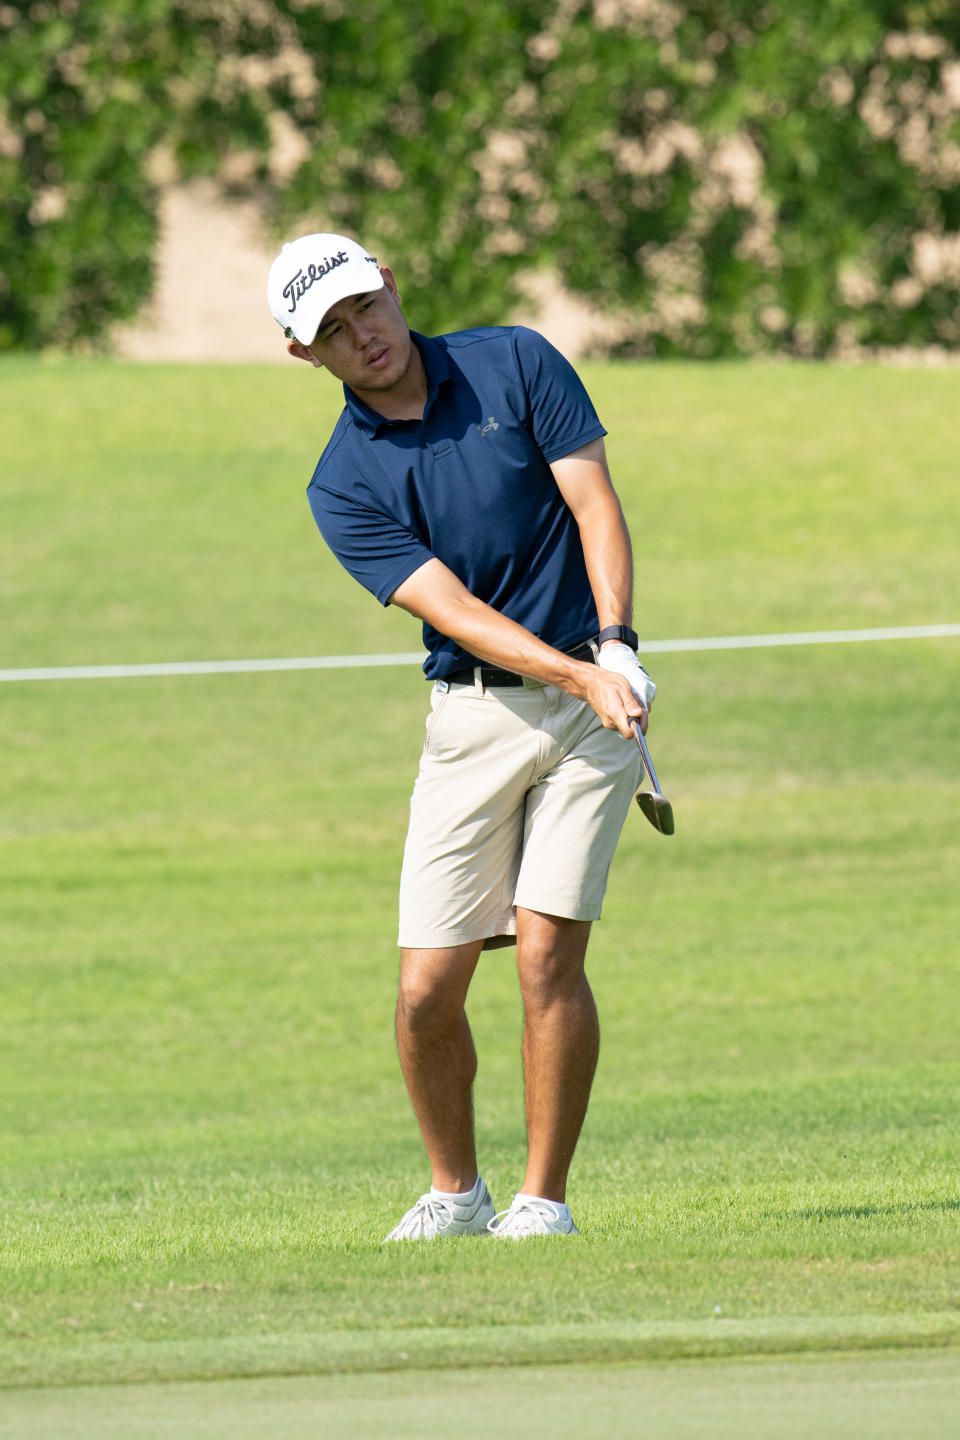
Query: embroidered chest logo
pixel 490 425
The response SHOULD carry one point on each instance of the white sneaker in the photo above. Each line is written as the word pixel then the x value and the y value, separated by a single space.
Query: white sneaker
pixel 529 1215
pixel 436 1215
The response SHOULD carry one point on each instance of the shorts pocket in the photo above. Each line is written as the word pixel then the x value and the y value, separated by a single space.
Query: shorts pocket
pixel 438 703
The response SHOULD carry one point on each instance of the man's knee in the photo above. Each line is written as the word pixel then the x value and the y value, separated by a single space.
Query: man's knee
pixel 433 986
pixel 551 952
pixel 422 1005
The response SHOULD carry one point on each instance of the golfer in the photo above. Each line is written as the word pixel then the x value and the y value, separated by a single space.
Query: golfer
pixel 466 482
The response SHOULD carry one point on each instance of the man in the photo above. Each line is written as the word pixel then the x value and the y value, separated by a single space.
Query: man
pixel 466 482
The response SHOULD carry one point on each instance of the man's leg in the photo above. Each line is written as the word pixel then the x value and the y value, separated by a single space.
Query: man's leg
pixel 438 1059
pixel 561 1042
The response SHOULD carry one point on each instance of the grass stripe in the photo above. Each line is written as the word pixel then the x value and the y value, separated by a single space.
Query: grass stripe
pixel 841 1397
pixel 374 1350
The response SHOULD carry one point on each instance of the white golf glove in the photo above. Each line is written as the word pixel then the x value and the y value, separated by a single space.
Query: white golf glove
pixel 622 661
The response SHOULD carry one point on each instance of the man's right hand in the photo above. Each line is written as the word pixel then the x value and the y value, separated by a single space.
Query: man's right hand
pixel 436 595
pixel 614 699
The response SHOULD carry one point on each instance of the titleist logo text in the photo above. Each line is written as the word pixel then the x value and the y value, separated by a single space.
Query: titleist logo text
pixel 296 288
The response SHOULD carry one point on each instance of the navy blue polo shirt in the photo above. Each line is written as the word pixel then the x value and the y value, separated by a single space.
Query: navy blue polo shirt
pixel 469 484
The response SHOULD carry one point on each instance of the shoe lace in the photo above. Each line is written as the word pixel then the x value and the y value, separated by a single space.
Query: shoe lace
pixel 525 1217
pixel 430 1211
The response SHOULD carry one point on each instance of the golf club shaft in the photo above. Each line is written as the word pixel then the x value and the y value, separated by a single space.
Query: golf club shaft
pixel 646 756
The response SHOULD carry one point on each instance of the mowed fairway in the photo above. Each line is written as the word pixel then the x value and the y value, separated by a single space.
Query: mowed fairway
pixel 203 1132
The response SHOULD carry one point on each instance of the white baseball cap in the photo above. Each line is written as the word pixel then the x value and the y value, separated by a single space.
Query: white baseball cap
pixel 313 273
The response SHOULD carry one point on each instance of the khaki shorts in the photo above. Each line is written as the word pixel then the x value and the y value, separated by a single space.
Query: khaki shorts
pixel 520 800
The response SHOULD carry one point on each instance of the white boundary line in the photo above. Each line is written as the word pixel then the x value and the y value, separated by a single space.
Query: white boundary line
pixel 416 657
pixel 804 637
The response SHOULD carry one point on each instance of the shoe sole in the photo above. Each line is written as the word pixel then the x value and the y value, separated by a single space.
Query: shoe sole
pixel 499 1234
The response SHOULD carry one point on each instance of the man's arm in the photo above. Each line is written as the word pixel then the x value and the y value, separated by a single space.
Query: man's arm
pixel 433 593
pixel 583 480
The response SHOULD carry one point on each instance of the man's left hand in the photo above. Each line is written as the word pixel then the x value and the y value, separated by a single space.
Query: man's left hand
pixel 620 659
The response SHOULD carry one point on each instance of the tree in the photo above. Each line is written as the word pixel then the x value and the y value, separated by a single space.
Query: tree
pixel 722 176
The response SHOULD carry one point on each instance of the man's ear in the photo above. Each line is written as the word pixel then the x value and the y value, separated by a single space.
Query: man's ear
pixel 390 281
pixel 301 352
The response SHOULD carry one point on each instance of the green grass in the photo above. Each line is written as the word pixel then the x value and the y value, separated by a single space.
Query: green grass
pixel 202 1126
pixel 846 1398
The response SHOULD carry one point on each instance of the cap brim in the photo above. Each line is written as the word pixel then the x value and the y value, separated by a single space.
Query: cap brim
pixel 348 280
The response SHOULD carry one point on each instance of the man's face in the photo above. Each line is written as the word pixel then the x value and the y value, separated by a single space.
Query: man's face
pixel 364 341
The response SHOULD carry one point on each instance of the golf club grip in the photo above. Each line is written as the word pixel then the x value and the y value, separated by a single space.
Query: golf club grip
pixel 638 735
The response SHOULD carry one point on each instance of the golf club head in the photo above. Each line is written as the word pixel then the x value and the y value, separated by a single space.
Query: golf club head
pixel 654 804
pixel 657 809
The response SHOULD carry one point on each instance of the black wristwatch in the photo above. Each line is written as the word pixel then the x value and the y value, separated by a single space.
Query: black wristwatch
pixel 620 632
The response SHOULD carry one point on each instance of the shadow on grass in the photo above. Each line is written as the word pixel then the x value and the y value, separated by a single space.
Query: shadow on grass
pixel 864 1212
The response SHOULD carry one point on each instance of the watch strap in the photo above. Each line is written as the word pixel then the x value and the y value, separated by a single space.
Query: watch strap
pixel 620 632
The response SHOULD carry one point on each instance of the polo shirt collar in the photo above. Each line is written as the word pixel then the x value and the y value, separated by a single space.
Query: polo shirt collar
pixel 438 370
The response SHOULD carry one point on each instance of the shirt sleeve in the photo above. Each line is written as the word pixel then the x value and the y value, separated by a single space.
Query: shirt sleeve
pixel 561 413
pixel 375 549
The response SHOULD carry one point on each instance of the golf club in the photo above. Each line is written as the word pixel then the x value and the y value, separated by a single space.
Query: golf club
pixel 654 804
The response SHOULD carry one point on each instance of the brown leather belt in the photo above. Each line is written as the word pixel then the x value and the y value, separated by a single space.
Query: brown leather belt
pixel 490 676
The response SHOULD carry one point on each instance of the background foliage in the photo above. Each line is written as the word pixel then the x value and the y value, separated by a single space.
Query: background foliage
pixel 722 176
